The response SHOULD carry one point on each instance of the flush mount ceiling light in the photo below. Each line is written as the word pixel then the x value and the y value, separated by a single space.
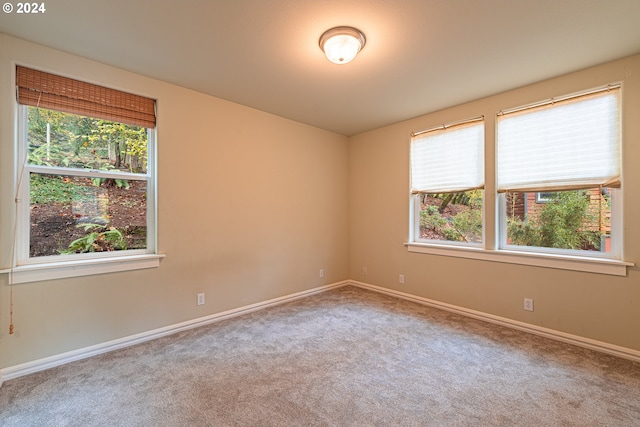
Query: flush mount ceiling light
pixel 342 44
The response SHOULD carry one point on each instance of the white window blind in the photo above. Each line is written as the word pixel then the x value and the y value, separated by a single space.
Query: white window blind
pixel 564 145
pixel 448 160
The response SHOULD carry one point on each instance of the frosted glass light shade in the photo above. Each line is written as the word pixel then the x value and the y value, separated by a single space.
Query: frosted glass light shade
pixel 342 44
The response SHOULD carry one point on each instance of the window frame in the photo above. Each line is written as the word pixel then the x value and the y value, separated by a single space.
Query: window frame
pixel 616 193
pixel 415 204
pixel 414 236
pixel 29 269
pixel 616 236
pixel 494 248
pixel 542 199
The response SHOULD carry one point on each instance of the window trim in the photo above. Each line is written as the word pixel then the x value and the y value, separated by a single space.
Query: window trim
pixel 81 267
pixel 32 269
pixel 616 236
pixel 23 238
pixel 492 249
pixel 414 220
pixel 534 259
pixel 414 236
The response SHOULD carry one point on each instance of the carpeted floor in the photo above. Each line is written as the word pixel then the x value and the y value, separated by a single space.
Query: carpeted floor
pixel 347 357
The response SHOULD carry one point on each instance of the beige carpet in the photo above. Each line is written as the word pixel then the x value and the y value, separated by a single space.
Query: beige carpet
pixel 347 357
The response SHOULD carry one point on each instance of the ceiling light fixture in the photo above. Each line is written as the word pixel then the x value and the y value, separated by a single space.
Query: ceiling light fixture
pixel 342 44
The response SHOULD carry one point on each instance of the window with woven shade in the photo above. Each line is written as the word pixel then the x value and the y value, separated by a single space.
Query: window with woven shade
pixel 86 184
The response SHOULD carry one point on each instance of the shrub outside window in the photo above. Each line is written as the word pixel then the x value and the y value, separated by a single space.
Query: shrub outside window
pixel 574 219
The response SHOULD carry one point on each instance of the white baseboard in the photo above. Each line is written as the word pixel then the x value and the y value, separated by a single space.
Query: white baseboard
pixel 577 340
pixel 94 350
pixel 83 353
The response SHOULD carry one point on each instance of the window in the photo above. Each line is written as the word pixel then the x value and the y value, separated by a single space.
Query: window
pixel 558 167
pixel 87 171
pixel 447 182
pixel 544 196
pixel 558 187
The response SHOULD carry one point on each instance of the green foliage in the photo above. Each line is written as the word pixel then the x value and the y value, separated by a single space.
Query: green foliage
pixel 561 223
pixel 101 239
pixel 120 183
pixel 122 140
pixel 431 219
pixel 465 226
pixel 83 142
pixel 41 156
pixel 48 189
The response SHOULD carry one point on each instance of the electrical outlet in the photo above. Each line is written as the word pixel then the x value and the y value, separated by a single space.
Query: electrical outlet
pixel 200 299
pixel 364 270
pixel 401 278
pixel 322 272
pixel 528 304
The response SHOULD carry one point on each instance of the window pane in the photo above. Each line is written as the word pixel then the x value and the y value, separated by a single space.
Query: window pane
pixel 453 217
pixel 576 219
pixel 69 140
pixel 77 215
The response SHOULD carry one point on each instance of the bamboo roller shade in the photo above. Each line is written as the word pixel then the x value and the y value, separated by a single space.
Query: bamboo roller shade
pixel 44 90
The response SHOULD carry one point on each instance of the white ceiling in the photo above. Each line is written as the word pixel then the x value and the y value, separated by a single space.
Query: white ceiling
pixel 420 56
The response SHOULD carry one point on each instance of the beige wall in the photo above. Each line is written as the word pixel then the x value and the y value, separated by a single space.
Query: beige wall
pixel 251 206
pixel 594 306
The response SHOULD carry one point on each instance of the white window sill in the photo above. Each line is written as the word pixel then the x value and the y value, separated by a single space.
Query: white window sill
pixel 84 267
pixel 563 262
